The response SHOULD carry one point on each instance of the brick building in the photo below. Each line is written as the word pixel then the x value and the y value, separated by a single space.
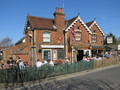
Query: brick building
pixel 57 38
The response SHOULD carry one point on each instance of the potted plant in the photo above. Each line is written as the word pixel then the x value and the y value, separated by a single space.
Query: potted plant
pixel 39 50
pixel 76 48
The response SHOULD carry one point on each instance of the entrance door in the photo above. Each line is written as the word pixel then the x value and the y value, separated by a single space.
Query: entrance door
pixel 47 54
pixel 94 52
pixel 80 55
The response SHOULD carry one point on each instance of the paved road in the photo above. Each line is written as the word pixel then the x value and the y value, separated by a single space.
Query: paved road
pixel 106 79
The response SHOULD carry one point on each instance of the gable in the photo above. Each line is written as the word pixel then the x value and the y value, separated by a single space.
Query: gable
pixel 27 26
pixel 22 40
pixel 89 23
pixel 81 34
pixel 95 23
pixel 74 22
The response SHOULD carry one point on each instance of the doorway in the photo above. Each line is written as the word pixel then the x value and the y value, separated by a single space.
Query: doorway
pixel 80 55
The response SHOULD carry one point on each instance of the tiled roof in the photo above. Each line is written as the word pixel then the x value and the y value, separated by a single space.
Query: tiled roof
pixel 45 23
pixel 69 22
pixel 97 47
pixel 20 41
pixel 72 21
pixel 89 23
pixel 111 47
pixel 41 23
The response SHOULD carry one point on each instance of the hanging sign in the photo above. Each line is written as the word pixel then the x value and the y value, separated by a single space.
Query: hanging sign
pixel 109 40
pixel 119 47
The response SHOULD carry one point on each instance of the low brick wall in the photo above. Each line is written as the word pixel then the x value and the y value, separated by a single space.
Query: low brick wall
pixel 105 62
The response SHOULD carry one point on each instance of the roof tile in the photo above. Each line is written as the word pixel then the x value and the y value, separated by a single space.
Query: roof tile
pixel 41 23
pixel 89 23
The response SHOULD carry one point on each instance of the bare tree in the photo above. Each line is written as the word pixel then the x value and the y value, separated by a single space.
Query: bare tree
pixel 6 42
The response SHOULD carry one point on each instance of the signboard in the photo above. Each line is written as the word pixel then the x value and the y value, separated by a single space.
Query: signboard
pixel 109 40
pixel 119 47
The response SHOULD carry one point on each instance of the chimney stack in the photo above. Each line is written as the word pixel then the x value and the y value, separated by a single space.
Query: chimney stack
pixel 59 18
pixel 59 11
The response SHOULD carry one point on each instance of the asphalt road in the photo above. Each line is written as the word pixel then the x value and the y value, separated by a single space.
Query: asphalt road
pixel 100 79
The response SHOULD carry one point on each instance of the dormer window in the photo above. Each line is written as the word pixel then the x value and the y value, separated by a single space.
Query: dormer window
pixel 46 36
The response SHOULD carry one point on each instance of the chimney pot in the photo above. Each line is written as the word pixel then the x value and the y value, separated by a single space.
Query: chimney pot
pixel 59 10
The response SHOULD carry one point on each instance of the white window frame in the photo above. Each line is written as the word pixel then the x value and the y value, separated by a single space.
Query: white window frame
pixel 87 50
pixel 80 36
pixel 46 36
pixel 46 50
pixel 93 38
pixel 55 56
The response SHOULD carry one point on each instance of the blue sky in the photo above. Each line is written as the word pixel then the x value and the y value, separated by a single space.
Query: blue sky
pixel 13 14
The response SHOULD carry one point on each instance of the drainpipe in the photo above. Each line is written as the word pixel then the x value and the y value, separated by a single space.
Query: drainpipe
pixel 90 43
pixel 65 44
pixel 33 49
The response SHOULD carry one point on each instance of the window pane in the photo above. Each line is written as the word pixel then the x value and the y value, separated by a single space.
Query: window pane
pixel 61 54
pixel 78 35
pixel 94 38
pixel 46 37
pixel 47 54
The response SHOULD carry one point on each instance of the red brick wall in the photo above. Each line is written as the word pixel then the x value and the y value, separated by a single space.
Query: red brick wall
pixel 8 52
pixel 85 34
pixel 54 37
pixel 59 18
pixel 59 23
pixel 99 35
pixel 85 38
pixel 28 39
